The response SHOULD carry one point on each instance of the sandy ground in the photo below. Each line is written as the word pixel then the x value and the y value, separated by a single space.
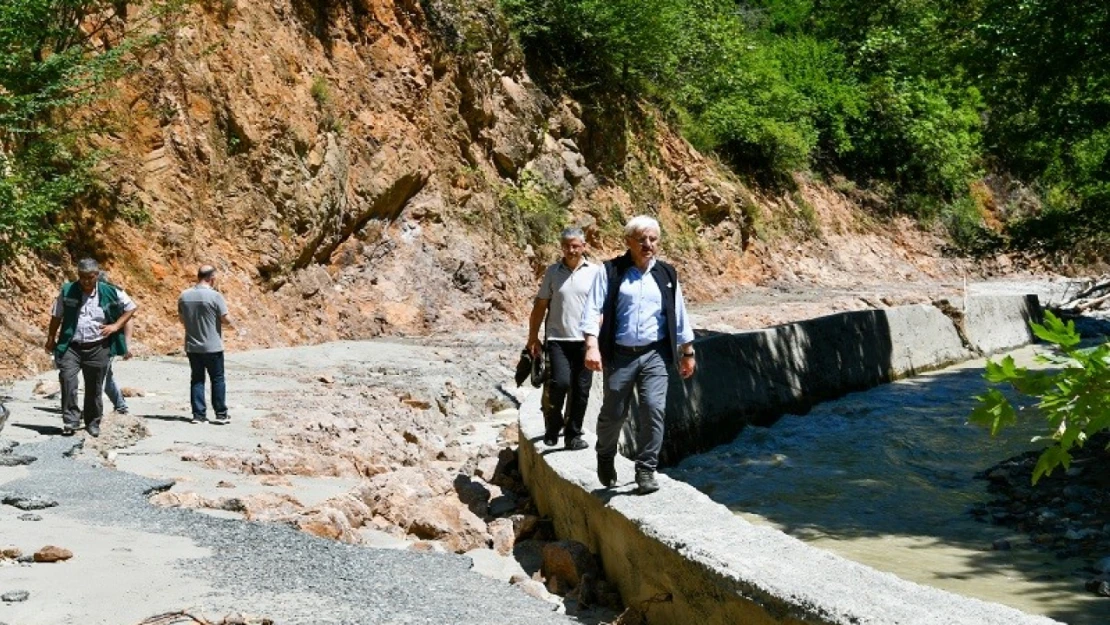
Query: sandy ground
pixel 120 575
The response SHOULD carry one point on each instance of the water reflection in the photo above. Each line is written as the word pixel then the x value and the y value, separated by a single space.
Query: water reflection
pixel 886 477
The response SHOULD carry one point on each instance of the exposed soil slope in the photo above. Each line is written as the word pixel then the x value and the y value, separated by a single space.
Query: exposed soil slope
pixel 389 167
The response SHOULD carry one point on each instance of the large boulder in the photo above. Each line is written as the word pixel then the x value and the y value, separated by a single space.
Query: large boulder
pixel 423 501
pixel 566 561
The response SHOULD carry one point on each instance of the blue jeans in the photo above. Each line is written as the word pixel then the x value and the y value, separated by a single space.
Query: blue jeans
pixel 213 363
pixel 111 389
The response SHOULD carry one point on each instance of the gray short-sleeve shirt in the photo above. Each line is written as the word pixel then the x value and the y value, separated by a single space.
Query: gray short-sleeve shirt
pixel 566 292
pixel 202 309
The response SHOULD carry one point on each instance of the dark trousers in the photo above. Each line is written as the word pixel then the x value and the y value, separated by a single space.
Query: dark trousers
pixel 569 381
pixel 647 373
pixel 213 364
pixel 91 361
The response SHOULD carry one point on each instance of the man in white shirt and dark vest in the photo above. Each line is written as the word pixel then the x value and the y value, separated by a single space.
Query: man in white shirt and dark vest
pixel 91 315
pixel 559 302
pixel 636 327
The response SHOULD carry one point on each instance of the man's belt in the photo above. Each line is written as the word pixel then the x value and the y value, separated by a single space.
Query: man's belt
pixel 88 345
pixel 639 349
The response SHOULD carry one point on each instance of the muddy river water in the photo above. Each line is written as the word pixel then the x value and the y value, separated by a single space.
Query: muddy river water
pixel 886 477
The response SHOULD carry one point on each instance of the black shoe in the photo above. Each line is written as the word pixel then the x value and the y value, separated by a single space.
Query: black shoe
pixel 551 441
pixel 575 444
pixel 199 419
pixel 67 430
pixel 221 419
pixel 606 472
pixel 646 483
pixel 93 430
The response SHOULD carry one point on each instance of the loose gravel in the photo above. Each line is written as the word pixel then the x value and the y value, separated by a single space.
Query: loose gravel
pixel 273 570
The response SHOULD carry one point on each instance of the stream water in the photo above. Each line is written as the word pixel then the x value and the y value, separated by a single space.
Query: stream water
pixel 886 477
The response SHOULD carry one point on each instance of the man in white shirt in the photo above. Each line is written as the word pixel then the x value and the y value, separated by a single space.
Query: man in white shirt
pixel 91 316
pixel 560 300
pixel 636 330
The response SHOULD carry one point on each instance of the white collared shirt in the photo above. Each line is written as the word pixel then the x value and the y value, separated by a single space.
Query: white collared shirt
pixel 91 317
pixel 640 318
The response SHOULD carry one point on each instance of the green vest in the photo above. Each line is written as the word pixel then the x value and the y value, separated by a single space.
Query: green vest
pixel 72 296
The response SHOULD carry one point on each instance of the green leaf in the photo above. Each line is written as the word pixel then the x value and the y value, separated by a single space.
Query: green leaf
pixel 1050 458
pixel 1056 331
pixel 993 412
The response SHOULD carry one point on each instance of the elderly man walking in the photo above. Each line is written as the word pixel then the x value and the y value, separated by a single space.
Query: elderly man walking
pixel 203 312
pixel 636 326
pixel 558 305
pixel 91 316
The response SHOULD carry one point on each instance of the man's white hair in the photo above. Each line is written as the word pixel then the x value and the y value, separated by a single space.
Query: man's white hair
pixel 640 223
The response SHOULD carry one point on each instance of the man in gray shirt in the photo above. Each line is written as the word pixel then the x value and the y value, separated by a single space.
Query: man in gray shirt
pixel 558 305
pixel 203 312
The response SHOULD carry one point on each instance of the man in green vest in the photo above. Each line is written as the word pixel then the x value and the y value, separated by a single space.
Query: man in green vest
pixel 91 315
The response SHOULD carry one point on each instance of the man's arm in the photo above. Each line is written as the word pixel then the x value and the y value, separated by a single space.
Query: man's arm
pixel 120 323
pixel 687 362
pixel 127 339
pixel 129 309
pixel 592 318
pixel 52 333
pixel 226 318
pixel 539 311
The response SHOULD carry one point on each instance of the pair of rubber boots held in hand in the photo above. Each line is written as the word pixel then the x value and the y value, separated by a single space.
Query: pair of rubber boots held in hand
pixel 529 368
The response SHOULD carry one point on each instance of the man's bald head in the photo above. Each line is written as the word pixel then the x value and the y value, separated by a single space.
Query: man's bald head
pixel 206 273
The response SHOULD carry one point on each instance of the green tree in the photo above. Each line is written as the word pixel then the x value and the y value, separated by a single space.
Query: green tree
pixel 56 56
pixel 1074 399
pixel 627 43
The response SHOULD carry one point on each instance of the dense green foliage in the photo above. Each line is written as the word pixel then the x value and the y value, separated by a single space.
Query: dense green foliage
pixel 1074 398
pixel 55 57
pixel 914 98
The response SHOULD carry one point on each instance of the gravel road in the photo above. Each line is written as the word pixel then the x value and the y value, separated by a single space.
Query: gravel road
pixel 261 569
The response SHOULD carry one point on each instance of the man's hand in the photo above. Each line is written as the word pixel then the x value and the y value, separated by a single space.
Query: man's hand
pixel 593 358
pixel 50 344
pixel 686 367
pixel 109 329
pixel 534 347
pixel 128 355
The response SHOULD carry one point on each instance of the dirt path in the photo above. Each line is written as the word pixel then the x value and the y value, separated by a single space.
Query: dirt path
pixel 311 428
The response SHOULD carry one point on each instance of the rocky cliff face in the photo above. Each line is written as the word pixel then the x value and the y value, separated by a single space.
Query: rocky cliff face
pixel 373 167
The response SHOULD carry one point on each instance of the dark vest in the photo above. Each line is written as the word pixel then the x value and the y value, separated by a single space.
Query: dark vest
pixel 667 279
pixel 72 296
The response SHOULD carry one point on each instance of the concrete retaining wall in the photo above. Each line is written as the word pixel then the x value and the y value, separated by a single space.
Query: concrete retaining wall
pixel 754 377
pixel 682 558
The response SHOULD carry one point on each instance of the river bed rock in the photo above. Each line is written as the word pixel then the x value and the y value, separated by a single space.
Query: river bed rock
pixel 51 553
pixel 1065 513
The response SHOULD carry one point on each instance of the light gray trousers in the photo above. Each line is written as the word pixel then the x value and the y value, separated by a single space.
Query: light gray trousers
pixel 647 375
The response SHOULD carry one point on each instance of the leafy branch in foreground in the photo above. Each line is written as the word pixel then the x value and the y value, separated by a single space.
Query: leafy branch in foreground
pixel 1074 397
pixel 57 57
